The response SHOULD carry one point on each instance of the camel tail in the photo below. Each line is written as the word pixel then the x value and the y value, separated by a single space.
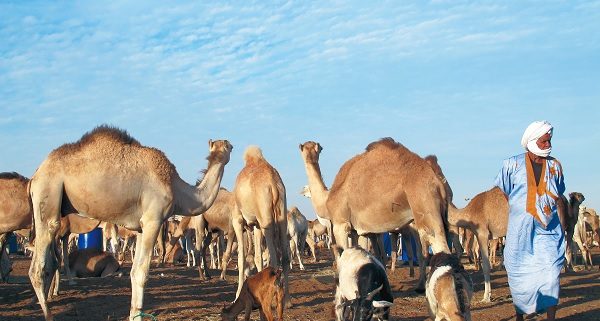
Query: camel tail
pixel 252 154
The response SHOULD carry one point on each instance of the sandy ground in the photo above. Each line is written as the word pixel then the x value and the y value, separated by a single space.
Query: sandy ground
pixel 176 293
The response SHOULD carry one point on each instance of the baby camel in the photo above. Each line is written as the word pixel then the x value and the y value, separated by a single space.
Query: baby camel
pixel 259 291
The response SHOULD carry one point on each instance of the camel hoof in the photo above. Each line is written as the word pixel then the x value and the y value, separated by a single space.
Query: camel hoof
pixel 486 300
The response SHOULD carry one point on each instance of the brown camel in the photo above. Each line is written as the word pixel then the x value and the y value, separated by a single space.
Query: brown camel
pixel 87 263
pixel 109 176
pixel 381 190
pixel 261 202
pixel 486 216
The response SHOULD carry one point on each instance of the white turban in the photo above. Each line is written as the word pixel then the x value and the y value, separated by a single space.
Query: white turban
pixel 533 132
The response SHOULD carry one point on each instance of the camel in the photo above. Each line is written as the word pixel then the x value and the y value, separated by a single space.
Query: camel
pixel 383 189
pixel 261 202
pixel 109 176
pixel 587 216
pixel 16 212
pixel 297 230
pixel 486 215
pixel 316 230
pixel 569 217
pixel 216 219
pixel 92 263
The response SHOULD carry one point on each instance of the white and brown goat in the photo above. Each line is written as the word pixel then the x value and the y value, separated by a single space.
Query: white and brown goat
pixel 449 289
pixel 260 291
pixel 363 291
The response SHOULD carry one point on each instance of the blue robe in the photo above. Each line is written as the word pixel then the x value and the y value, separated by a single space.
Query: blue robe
pixel 535 247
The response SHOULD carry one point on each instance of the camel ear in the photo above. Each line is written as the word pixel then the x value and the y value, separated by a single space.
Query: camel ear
pixel 318 148
pixel 210 144
pixel 300 146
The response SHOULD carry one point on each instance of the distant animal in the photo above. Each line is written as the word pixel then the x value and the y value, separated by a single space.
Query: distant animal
pixel 259 291
pixel 362 288
pixel 449 289
pixel 91 262
pixel 5 266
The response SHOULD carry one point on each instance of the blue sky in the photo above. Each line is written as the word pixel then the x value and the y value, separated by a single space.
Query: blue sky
pixel 457 79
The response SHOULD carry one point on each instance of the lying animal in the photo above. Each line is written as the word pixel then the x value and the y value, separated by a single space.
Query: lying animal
pixel 92 263
pixel 259 291
pixel 363 291
pixel 449 289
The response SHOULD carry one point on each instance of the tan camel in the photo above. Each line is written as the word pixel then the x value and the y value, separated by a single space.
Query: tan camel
pixel 316 231
pixel 16 212
pixel 297 231
pixel 261 202
pixel 109 176
pixel 216 219
pixel 486 215
pixel 381 190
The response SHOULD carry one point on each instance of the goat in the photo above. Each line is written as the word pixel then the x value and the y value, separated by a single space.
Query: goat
pixel 259 291
pixel 362 291
pixel 449 289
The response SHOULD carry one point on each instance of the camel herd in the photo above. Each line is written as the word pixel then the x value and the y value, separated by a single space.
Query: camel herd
pixel 109 178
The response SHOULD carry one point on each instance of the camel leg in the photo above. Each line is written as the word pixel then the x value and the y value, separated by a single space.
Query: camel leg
pixel 298 252
pixel 340 232
pixel 141 264
pixel 227 255
pixel 44 262
pixel 202 241
pixel 238 227
pixel 377 244
pixel 258 251
pixel 284 242
pixel 394 257
pixel 482 239
pixel 312 245
pixel 65 257
pixel 410 254
pixel 423 245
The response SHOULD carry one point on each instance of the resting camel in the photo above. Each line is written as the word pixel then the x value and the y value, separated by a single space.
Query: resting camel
pixel 109 176
pixel 383 189
pixel 16 212
pixel 297 230
pixel 486 215
pixel 87 263
pixel 261 202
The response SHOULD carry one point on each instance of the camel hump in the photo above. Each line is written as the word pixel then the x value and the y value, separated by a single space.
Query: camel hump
pixel 386 142
pixel 100 133
pixel 13 175
pixel 253 154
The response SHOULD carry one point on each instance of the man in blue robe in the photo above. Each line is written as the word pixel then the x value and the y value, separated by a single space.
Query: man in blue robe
pixel 535 244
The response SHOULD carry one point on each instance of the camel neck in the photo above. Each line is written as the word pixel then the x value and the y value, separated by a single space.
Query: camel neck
pixel 192 200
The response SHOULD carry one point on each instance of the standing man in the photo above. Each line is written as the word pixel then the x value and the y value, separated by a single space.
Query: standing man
pixel 535 245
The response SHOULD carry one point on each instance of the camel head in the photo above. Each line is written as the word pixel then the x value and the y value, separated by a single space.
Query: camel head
pixel 219 151
pixel 310 151
pixel 576 197
pixel 305 191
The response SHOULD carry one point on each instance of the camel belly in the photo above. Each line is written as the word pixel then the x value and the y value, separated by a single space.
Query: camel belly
pixel 381 221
